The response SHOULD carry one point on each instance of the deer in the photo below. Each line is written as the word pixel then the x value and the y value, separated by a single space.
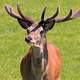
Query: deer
pixel 43 60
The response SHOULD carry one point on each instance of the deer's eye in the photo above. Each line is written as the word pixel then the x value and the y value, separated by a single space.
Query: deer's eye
pixel 41 33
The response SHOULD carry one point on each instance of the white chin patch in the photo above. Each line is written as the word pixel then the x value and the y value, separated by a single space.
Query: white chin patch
pixel 34 44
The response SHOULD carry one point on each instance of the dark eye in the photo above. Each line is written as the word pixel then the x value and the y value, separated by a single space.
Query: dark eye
pixel 41 33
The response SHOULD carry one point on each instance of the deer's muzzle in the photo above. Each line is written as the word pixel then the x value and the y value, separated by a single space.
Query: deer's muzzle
pixel 28 39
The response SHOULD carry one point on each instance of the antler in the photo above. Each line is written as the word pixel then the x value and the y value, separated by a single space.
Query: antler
pixel 49 22
pixel 43 13
pixel 23 16
pixel 70 16
pixel 23 21
pixel 12 13
pixel 55 15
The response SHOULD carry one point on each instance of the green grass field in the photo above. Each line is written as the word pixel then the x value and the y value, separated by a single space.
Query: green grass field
pixel 64 35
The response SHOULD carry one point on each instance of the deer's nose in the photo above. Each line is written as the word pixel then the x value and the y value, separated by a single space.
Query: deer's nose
pixel 28 39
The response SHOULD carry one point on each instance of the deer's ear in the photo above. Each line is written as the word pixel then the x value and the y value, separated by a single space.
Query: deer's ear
pixel 24 24
pixel 48 25
pixel 51 24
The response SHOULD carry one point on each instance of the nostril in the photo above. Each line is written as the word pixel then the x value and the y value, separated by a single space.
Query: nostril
pixel 29 38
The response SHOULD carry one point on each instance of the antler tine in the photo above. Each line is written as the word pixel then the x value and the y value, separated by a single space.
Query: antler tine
pixel 76 14
pixel 22 15
pixel 68 17
pixel 11 12
pixel 55 15
pixel 43 13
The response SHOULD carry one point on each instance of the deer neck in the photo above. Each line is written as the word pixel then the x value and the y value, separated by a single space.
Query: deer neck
pixel 39 60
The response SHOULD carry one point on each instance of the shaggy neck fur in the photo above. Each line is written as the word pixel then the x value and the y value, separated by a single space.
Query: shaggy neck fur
pixel 39 61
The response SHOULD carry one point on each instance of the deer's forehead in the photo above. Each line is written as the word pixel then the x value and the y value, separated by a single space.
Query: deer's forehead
pixel 32 27
pixel 34 34
pixel 39 29
pixel 37 32
pixel 35 28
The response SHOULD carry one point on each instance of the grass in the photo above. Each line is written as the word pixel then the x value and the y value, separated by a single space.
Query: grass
pixel 64 35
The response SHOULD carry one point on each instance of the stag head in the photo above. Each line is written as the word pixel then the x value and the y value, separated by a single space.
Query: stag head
pixel 36 30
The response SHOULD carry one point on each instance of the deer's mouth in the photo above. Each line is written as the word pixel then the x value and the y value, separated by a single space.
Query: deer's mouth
pixel 27 40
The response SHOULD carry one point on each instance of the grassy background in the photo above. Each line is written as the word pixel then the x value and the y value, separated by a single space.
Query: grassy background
pixel 65 35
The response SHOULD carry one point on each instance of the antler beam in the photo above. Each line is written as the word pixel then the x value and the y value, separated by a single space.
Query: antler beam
pixel 70 16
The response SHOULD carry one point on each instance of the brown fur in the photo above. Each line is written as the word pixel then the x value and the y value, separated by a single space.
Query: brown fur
pixel 54 64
